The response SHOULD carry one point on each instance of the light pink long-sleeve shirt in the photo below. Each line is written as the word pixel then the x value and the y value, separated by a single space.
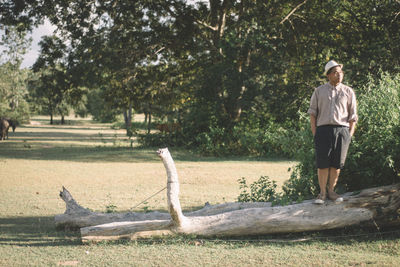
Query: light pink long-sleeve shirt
pixel 333 105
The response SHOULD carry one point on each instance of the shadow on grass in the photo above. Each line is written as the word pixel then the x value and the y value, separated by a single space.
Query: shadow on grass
pixel 57 122
pixel 46 151
pixel 64 137
pixel 35 232
pixel 337 237
pixel 76 153
pixel 63 127
pixel 347 235
pixel 54 133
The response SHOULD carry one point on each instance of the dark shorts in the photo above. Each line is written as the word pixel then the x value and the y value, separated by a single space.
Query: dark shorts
pixel 331 146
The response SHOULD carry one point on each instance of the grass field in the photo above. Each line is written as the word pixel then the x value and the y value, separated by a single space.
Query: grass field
pixel 96 164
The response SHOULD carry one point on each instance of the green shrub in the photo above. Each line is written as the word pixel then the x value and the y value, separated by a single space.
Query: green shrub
pixel 160 140
pixel 251 136
pixel 98 107
pixel 374 153
pixel 263 190
pixel 213 142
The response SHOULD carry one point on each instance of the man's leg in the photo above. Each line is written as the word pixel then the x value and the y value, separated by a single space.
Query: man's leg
pixel 333 178
pixel 323 180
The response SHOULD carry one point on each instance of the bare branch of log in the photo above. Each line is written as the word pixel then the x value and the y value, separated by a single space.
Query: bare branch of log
pixel 174 205
pixel 76 216
pixel 126 230
pixel 72 207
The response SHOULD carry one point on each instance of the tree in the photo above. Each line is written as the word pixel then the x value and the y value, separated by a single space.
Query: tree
pixel 13 80
pixel 111 52
pixel 52 85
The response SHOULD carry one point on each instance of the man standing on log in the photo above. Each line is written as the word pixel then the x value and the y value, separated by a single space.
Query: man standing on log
pixel 333 115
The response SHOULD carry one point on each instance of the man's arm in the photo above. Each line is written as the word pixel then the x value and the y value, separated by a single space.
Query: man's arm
pixel 313 124
pixel 352 127
pixel 352 114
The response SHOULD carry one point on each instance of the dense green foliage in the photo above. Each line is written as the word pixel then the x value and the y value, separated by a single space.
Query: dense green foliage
pixel 13 91
pixel 375 151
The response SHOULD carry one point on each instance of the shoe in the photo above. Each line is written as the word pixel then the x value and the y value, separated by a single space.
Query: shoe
pixel 335 197
pixel 320 199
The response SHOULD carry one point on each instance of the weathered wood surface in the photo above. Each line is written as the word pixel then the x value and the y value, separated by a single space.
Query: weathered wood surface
pixel 376 206
pixel 76 216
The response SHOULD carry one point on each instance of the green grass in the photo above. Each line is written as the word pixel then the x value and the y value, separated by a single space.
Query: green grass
pixel 97 165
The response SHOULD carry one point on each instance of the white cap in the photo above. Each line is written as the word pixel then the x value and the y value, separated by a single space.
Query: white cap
pixel 330 65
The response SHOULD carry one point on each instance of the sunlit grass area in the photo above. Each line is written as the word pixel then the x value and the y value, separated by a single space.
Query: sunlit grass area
pixel 41 159
pixel 102 174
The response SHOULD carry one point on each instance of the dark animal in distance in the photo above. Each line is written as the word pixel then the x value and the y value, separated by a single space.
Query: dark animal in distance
pixel 13 124
pixel 5 125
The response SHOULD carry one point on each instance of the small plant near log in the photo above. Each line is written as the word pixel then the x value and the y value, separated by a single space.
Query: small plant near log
pixel 263 190
pixel 111 208
pixel 146 208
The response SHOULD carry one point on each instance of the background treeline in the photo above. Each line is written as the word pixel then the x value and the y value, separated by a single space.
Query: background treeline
pixel 235 75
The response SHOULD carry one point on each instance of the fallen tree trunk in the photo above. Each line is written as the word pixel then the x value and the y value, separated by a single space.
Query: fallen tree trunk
pixel 76 216
pixel 376 206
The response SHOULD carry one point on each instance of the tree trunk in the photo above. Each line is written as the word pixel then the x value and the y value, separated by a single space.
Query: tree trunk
pixel 128 120
pixel 376 206
pixel 149 124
